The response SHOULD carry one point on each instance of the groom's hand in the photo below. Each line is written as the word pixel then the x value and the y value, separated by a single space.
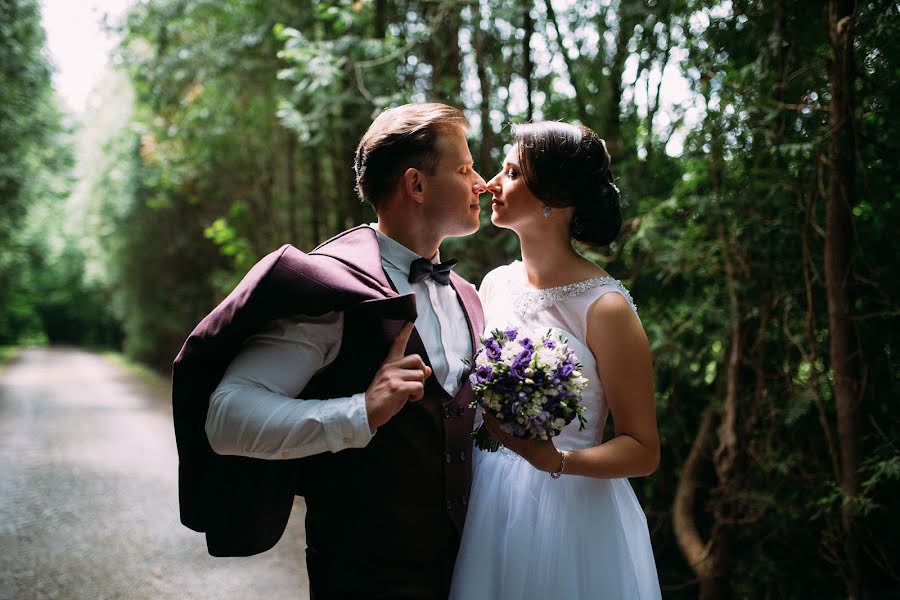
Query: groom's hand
pixel 400 379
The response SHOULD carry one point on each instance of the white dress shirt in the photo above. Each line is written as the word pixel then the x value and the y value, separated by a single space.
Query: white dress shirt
pixel 254 410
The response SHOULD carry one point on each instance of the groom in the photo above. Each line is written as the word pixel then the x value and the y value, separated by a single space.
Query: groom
pixel 310 379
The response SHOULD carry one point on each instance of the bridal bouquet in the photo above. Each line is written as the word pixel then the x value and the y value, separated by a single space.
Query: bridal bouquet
pixel 531 384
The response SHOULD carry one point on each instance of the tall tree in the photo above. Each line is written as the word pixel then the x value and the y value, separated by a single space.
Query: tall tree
pixel 481 60
pixel 442 50
pixel 839 244
pixel 627 16
pixel 527 63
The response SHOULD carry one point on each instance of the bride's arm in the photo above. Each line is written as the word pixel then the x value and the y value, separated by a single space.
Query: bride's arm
pixel 619 344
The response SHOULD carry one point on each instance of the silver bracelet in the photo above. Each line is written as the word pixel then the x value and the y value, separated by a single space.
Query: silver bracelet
pixel 562 465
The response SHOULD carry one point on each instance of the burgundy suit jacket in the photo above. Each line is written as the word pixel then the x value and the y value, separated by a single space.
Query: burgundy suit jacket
pixel 243 504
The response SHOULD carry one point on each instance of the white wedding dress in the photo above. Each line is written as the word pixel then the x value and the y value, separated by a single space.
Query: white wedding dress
pixel 528 535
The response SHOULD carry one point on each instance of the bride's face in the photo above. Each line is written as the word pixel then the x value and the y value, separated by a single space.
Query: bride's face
pixel 513 206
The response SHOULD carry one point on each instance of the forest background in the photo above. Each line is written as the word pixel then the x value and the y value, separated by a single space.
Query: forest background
pixel 761 217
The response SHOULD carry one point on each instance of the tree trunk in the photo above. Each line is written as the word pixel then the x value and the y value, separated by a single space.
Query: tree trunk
pixel 379 23
pixel 694 548
pixel 344 177
pixel 442 52
pixel 612 129
pixel 780 52
pixel 339 180
pixel 315 192
pixel 721 537
pixel 293 200
pixel 727 450
pixel 570 66
pixel 843 345
pixel 653 107
pixel 487 132
pixel 527 65
pixel 810 355
pixel 711 559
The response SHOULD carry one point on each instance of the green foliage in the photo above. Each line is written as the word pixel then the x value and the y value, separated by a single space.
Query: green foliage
pixel 245 118
pixel 25 122
pixel 43 297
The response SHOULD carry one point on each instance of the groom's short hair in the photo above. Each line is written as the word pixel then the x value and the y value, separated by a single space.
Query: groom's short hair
pixel 398 139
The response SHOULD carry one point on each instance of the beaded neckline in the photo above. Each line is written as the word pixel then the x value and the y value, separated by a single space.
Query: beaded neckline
pixel 527 300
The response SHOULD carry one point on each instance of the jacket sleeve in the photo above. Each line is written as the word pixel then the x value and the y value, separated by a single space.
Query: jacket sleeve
pixel 254 411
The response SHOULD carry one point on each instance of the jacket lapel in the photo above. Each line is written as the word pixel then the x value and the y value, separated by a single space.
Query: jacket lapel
pixel 471 307
pixel 358 248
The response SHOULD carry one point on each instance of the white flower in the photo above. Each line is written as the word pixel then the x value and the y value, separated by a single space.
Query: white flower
pixel 547 358
pixel 509 352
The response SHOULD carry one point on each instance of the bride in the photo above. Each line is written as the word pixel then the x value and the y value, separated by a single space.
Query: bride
pixel 558 518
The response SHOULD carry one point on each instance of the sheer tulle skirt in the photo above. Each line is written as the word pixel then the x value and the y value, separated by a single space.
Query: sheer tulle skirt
pixel 530 536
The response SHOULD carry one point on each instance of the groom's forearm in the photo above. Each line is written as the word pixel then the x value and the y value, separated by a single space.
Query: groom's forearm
pixel 257 423
pixel 255 412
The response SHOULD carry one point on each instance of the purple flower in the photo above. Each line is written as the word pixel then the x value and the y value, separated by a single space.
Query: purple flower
pixel 548 343
pixel 511 333
pixel 566 369
pixel 524 356
pixel 539 421
pixel 517 370
pixel 519 364
pixel 527 343
pixel 492 348
pixel 484 373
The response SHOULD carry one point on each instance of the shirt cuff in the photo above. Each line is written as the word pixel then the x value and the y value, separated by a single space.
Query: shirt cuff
pixel 348 427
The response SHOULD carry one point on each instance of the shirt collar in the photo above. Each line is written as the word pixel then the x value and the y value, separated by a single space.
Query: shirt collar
pixel 395 254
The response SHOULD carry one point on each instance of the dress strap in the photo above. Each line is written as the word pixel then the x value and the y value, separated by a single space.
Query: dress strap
pixel 614 285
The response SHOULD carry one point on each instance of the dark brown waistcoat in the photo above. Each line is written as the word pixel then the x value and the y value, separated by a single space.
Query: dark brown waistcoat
pixel 385 520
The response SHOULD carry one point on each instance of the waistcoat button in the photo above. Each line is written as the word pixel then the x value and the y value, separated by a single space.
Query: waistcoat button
pixel 462 456
pixel 448 458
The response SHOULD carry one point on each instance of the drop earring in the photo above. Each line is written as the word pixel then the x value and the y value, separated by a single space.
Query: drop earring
pixel 546 212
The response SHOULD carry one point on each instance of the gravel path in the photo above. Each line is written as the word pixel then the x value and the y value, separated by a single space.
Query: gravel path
pixel 88 494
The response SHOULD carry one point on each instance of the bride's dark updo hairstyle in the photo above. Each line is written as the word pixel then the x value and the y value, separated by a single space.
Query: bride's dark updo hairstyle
pixel 568 165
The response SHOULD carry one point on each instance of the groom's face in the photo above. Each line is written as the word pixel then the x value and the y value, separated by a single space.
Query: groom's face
pixel 452 191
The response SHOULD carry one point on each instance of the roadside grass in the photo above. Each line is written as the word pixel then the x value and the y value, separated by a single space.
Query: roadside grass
pixel 157 382
pixel 7 353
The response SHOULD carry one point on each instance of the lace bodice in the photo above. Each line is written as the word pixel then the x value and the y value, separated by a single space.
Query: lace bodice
pixel 510 302
pixel 529 301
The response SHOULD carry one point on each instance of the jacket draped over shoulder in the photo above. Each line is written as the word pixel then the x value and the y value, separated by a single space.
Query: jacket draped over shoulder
pixel 243 504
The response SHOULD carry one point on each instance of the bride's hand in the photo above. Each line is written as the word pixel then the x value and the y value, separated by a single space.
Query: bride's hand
pixel 542 454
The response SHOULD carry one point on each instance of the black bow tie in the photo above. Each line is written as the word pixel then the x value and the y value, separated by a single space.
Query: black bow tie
pixel 422 268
